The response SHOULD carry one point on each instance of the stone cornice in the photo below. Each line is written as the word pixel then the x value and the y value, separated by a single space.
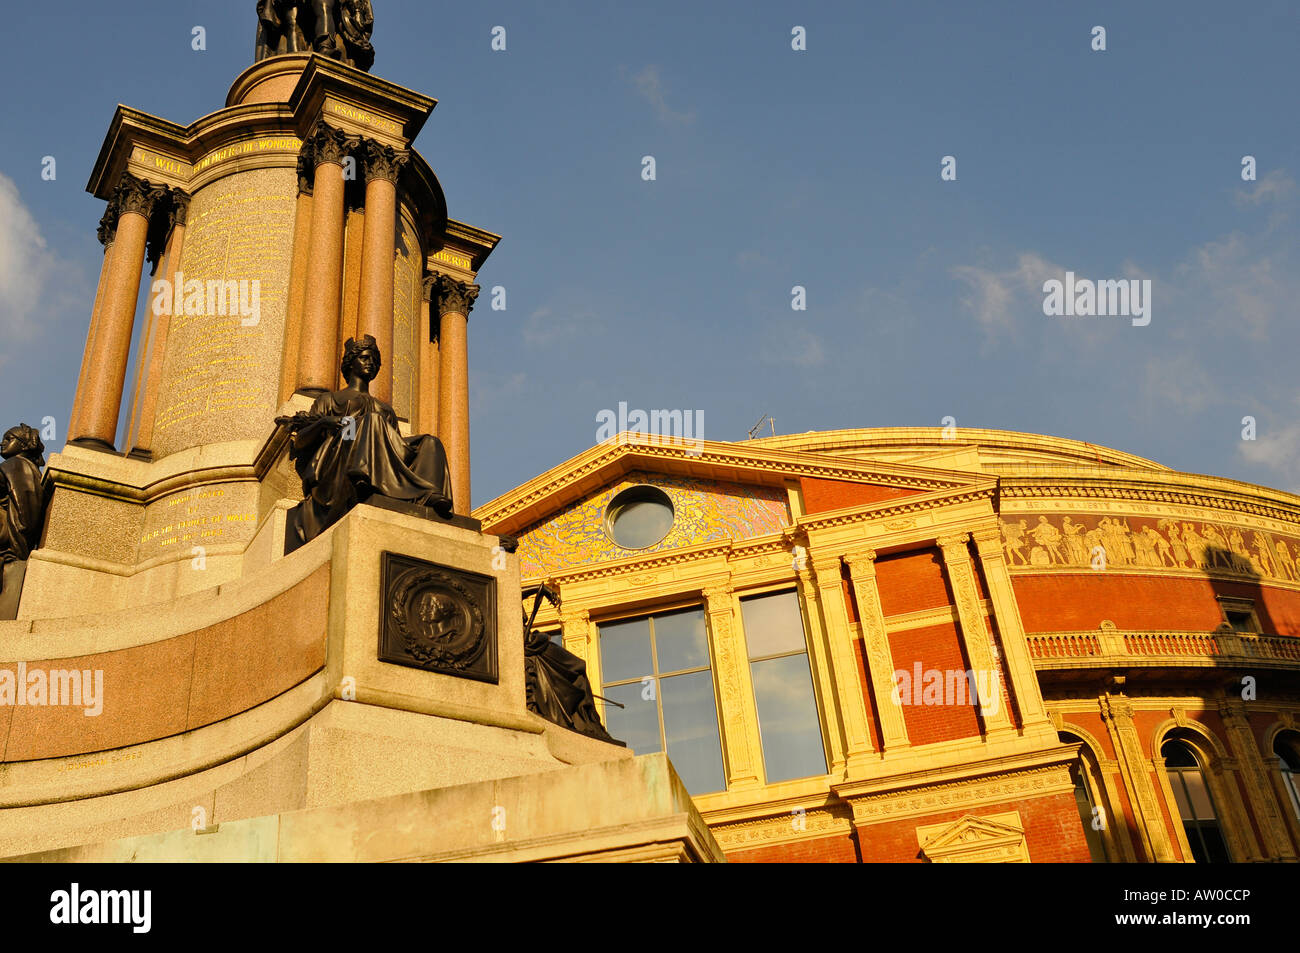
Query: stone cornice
pixel 1167 487
pixel 883 440
pixel 898 508
pixel 1002 787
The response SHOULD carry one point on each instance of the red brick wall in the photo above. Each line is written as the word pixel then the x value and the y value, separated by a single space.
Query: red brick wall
pixel 1055 603
pixel 822 495
pixel 1053 832
pixel 912 581
pixel 935 647
pixel 840 849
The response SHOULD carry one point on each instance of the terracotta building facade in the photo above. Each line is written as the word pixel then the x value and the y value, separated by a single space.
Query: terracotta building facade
pixel 912 645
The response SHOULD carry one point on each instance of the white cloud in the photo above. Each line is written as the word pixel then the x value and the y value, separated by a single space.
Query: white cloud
pixel 27 266
pixel 1181 381
pixel 1276 186
pixel 786 344
pixel 650 85
pixel 995 297
pixel 1237 283
pixel 1277 449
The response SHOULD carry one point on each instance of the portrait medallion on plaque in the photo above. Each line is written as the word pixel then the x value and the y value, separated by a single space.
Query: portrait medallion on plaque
pixel 438 619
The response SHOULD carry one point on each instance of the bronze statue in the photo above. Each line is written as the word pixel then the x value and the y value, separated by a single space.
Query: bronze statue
pixel 339 29
pixel 556 682
pixel 22 510
pixel 348 448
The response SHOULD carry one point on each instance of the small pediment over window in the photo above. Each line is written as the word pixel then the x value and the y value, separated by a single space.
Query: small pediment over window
pixel 993 839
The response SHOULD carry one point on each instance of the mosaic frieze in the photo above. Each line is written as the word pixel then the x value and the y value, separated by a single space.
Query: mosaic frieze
pixel 704 511
pixel 1038 541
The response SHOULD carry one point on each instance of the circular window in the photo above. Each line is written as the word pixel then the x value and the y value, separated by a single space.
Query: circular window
pixel 639 517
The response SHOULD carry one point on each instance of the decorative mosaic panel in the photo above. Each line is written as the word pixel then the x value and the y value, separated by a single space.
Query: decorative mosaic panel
pixel 705 511
pixel 1038 541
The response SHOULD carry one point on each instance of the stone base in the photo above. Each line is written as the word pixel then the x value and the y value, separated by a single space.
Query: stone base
pixel 265 696
pixel 634 809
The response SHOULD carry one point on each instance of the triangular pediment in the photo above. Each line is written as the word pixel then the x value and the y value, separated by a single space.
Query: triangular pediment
pixel 595 470
pixel 970 839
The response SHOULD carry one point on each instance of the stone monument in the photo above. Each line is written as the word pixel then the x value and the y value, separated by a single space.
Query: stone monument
pixel 263 612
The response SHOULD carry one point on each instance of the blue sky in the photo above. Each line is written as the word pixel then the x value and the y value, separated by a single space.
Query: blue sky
pixel 775 168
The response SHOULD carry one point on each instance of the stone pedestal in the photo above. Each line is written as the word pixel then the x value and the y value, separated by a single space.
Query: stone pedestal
pixel 266 698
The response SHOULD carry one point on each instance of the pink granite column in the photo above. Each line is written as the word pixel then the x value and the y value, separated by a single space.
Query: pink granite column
pixel 454 301
pixel 97 421
pixel 319 354
pixel 383 164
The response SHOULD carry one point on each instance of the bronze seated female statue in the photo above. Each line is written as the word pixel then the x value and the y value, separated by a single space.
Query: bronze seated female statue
pixel 348 448
pixel 22 509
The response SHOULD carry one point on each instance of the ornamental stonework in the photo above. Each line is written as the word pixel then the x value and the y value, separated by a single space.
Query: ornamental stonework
pixel 452 296
pixel 438 619
pixel 382 162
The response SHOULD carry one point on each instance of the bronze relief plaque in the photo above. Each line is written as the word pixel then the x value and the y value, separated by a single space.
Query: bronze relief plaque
pixel 438 619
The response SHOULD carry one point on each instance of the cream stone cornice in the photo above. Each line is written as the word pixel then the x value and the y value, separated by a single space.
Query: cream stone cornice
pixel 1164 487
pixel 933 438
pixel 901 508
pixel 1008 786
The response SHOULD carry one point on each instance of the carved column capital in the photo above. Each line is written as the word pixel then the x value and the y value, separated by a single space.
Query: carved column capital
pixel 1233 713
pixel 328 143
pixel 306 168
pixel 180 208
pixel 382 162
pixel 572 617
pixel 826 569
pixel 1116 708
pixel 953 542
pixel 718 596
pixel 108 224
pixel 861 564
pixel 138 196
pixel 451 295
pixel 988 540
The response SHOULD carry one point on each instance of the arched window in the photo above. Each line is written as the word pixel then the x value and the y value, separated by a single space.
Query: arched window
pixel 1092 813
pixel 1195 805
pixel 1287 748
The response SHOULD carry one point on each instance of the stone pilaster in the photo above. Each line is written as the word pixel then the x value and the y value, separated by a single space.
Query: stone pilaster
pixel 1135 769
pixel 741 742
pixel 880 661
pixel 823 671
pixel 1241 742
pixel 974 631
pixel 575 629
pixel 844 669
pixel 1020 665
